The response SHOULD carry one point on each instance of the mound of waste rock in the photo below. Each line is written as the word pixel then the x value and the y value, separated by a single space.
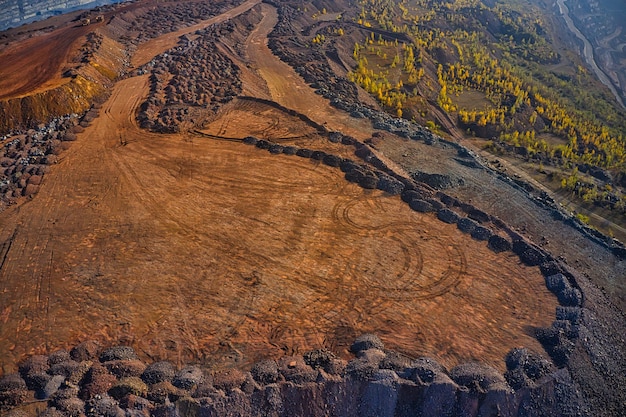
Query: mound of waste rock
pixel 91 380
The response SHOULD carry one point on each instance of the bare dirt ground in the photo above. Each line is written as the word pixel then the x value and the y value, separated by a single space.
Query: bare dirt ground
pixel 195 249
pixel 151 242
pixel 44 56
pixel 289 89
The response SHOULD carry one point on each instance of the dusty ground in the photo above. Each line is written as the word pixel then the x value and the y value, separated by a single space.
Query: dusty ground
pixel 191 248
pixel 151 243
pixel 289 89
pixel 57 47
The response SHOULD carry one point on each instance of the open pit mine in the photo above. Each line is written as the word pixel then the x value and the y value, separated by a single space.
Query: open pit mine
pixel 200 215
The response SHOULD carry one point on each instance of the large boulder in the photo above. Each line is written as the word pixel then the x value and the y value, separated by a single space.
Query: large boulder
pixel 525 368
pixel 67 401
pixel 304 153
pixel 558 341
pixel 567 294
pixel 390 185
pixel 263 144
pixel 437 205
pixel 58 356
pixel 276 148
pixel 294 369
pixel 498 244
pixel 447 216
pixel 135 406
pixel 125 386
pixel 365 342
pixel 424 371
pixel 53 385
pixel 481 233
pixel 188 377
pixel 410 195
pixel 318 155
pixel 528 253
pixel 395 361
pixel 229 380
pixel 318 358
pixel 103 406
pixel 34 370
pixel 118 353
pixel 421 206
pixel 332 160
pixel 162 392
pixel 477 377
pixel 369 182
pixel 97 381
pixel 158 372
pixel 478 215
pixel 364 368
pixel 265 372
pixel 13 390
pixel 466 225
pixel 126 368
pixel 65 368
pixel 86 351
pixel 250 140
pixel 348 165
pixel 30 190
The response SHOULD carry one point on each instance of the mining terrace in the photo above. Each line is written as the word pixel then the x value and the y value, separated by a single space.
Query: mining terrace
pixel 176 235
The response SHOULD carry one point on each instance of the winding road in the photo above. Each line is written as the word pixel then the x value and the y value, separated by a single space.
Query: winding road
pixel 588 52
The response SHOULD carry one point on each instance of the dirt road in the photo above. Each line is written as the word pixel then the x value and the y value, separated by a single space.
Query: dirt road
pixel 289 89
pixel 157 46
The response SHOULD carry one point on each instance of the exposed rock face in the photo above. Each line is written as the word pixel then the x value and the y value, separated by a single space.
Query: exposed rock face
pixel 376 383
pixel 17 12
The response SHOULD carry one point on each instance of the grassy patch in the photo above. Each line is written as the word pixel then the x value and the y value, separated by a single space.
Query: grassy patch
pixel 471 100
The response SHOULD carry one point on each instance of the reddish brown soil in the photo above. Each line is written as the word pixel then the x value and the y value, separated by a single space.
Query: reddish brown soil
pixel 194 249
pixel 289 89
pixel 36 63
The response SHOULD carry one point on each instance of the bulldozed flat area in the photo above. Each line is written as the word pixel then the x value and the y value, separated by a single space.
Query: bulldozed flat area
pixel 197 247
pixel 192 248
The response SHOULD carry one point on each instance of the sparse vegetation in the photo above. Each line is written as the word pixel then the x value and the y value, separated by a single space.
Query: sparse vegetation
pixel 505 52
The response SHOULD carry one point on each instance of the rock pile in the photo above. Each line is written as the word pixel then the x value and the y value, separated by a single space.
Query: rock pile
pixel 25 157
pixel 362 174
pixel 160 18
pixel 190 82
pixel 91 381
